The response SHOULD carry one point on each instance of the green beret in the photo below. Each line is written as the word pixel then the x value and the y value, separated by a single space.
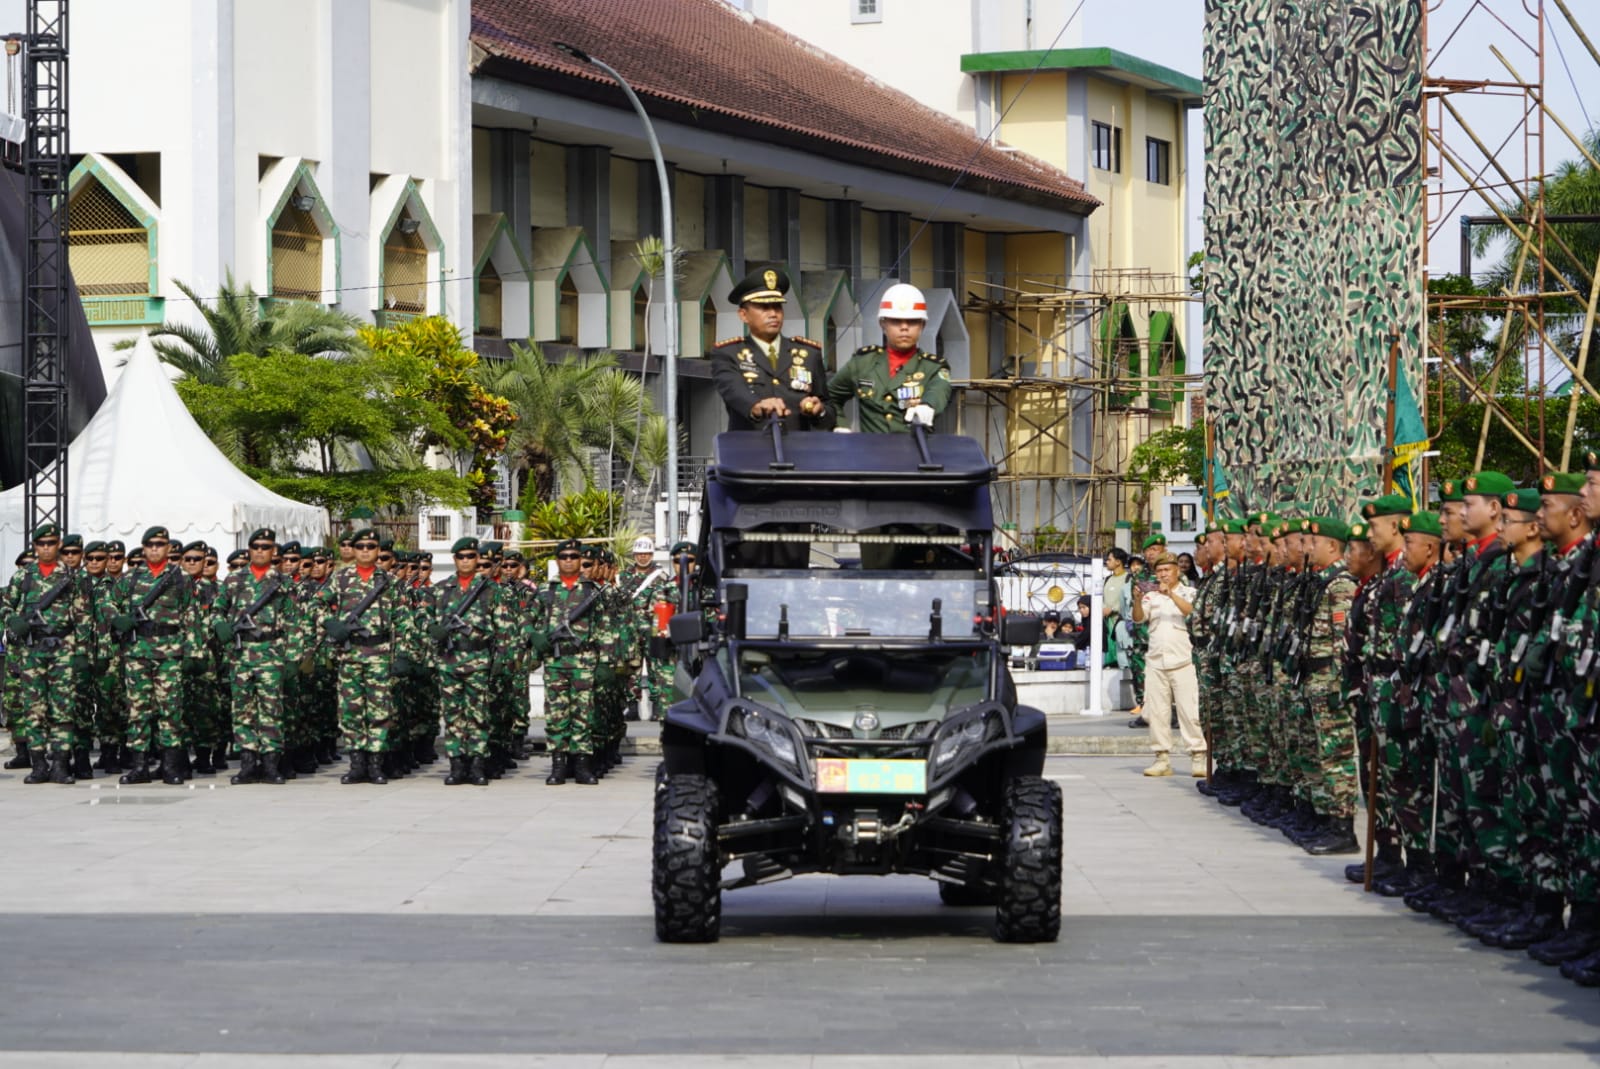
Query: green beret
pixel 680 548
pixel 386 545
pixel 1488 484
pixel 366 534
pixel 1450 490
pixel 136 554
pixel 116 546
pixel 1359 532
pixel 592 552
pixel 1387 505
pixel 346 538
pixel 515 555
pixel 153 533
pixel 95 547
pixel 1215 527
pixel 1233 527
pixel 263 534
pixel 1157 539
pixel 1423 523
pixel 1522 500
pixel 46 530
pixel 465 543
pixel 72 539
pixel 195 546
pixel 290 547
pixel 568 545
pixel 322 553
pixel 1561 482
pixel 236 556
pixel 24 557
pixel 1329 527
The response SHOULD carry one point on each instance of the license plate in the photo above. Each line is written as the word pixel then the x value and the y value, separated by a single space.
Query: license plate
pixel 839 775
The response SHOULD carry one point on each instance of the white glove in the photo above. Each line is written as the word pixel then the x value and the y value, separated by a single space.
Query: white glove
pixel 922 414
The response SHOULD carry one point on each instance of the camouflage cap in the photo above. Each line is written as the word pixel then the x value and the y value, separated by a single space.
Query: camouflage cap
pixel 1487 484
pixel 46 530
pixel 1422 523
pixel 1522 500
pixel 1561 482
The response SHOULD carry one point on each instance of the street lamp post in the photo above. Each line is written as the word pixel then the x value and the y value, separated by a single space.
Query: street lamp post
pixel 670 276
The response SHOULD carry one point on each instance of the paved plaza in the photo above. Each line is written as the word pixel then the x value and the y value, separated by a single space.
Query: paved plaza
pixel 384 926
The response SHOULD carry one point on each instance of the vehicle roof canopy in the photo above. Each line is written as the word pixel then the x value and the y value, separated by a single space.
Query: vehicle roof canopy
pixel 848 481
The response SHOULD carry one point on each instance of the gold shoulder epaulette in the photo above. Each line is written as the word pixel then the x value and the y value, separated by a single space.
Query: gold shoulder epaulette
pixel 728 341
pixel 808 341
pixel 870 349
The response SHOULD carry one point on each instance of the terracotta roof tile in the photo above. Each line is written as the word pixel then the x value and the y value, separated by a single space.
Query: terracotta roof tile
pixel 704 55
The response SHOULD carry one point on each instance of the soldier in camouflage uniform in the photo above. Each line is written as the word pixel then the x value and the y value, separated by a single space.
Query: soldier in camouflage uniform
pixel 155 619
pixel 256 619
pixel 206 718
pixel 640 581
pixel 1330 589
pixel 521 592
pixel 362 612
pixel 112 709
pixel 469 625
pixel 571 640
pixel 1203 629
pixel 1241 783
pixel 48 624
pixel 83 712
pixel 1365 563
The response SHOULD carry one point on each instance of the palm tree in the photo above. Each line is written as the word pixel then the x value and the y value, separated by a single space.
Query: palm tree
pixel 236 324
pixel 565 410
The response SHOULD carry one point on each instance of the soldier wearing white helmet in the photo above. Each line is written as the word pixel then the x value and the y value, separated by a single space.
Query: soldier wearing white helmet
pixel 895 384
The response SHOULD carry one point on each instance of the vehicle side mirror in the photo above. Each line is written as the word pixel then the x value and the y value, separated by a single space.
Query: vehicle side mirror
pixel 686 628
pixel 1019 629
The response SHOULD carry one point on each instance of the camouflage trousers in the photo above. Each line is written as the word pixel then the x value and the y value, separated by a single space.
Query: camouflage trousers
pixel 1220 700
pixel 521 703
pixel 1251 719
pixel 1299 720
pixel 366 703
pixel 205 714
pixel 464 702
pixel 1582 843
pixel 155 703
pixel 256 689
pixel 503 706
pixel 1487 842
pixel 1534 845
pixel 111 704
pixel 1444 808
pixel 655 682
pixel 569 700
pixel 43 701
pixel 1335 784
pixel 1137 652
pixel 1405 776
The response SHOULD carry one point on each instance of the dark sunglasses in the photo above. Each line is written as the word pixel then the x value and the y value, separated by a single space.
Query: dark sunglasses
pixel 157 542
pixel 466 554
pixel 194 560
pixel 263 545
pixel 587 564
pixel 119 556
pixel 386 556
pixel 364 545
pixel 72 550
pixel 96 557
pixel 293 560
pixel 48 542
pixel 566 556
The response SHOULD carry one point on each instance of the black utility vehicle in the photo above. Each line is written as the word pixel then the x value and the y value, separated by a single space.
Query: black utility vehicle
pixel 851 711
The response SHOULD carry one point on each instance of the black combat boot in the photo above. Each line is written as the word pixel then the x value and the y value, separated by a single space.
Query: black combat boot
pixel 1580 938
pixel 272 768
pixel 219 757
pixel 133 761
pixel 1584 970
pixel 458 772
pixel 478 771
pixel 185 766
pixel 1539 919
pixel 61 768
pixel 21 760
pixel 41 767
pixel 375 769
pixel 357 772
pixel 82 768
pixel 1338 837
pixel 423 750
pixel 202 761
pixel 108 757
pixel 172 767
pixel 508 759
pixel 249 768
pixel 583 770
pixel 1384 862
pixel 559 764
pixel 304 763
pixel 493 766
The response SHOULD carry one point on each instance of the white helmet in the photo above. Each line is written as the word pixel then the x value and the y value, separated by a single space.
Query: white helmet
pixel 903 301
pixel 643 544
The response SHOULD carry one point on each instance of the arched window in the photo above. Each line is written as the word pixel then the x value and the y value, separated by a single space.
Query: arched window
pixel 405 268
pixel 297 253
pixel 490 297
pixel 567 312
pixel 641 319
pixel 109 249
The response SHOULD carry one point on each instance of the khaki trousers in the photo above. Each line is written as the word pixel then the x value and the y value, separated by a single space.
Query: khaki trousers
pixel 1165 688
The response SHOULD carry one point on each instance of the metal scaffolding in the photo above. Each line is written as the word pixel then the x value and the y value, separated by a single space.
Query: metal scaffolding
pixel 1093 366
pixel 1487 145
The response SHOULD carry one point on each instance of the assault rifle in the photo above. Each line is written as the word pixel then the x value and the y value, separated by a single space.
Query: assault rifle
pixel 455 624
pixel 244 621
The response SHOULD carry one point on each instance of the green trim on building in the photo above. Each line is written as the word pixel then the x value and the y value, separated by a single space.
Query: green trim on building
pixel 137 311
pixel 1105 61
pixel 90 167
pixel 1117 333
pixel 1162 325
pixel 319 211
pixel 425 218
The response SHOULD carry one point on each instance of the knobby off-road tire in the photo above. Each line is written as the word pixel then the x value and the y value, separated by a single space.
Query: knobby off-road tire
pixel 685 870
pixel 966 894
pixel 1028 903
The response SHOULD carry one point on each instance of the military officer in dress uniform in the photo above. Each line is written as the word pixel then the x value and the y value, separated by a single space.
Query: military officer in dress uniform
pixel 763 374
pixel 895 384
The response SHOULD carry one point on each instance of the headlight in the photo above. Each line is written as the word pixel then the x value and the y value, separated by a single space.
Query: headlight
pixel 962 737
pixel 767 733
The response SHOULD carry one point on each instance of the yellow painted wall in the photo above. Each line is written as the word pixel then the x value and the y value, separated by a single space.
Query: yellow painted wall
pixel 547 179
pixel 624 199
pixel 921 256
pixel 689 212
pixel 977 322
pixel 1036 123
pixel 813 234
pixel 757 239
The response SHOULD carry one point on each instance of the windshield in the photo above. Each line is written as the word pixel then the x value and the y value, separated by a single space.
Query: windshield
pixel 922 684
pixel 840 604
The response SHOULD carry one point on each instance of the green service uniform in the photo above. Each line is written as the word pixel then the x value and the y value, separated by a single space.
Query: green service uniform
pixel 884 398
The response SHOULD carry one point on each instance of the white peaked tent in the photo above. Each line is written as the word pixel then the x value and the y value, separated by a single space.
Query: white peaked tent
pixel 143 460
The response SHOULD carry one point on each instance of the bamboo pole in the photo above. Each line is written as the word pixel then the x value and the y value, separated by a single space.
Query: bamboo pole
pixel 1573 22
pixel 1494 407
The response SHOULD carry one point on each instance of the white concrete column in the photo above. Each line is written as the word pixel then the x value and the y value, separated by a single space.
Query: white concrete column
pixel 454 193
pixel 344 176
pixel 208 246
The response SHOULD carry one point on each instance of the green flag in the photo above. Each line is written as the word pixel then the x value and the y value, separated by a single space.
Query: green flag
pixel 1410 439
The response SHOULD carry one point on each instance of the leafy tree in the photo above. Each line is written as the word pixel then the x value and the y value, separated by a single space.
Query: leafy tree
pixel 237 323
pixel 429 363
pixel 1168 456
